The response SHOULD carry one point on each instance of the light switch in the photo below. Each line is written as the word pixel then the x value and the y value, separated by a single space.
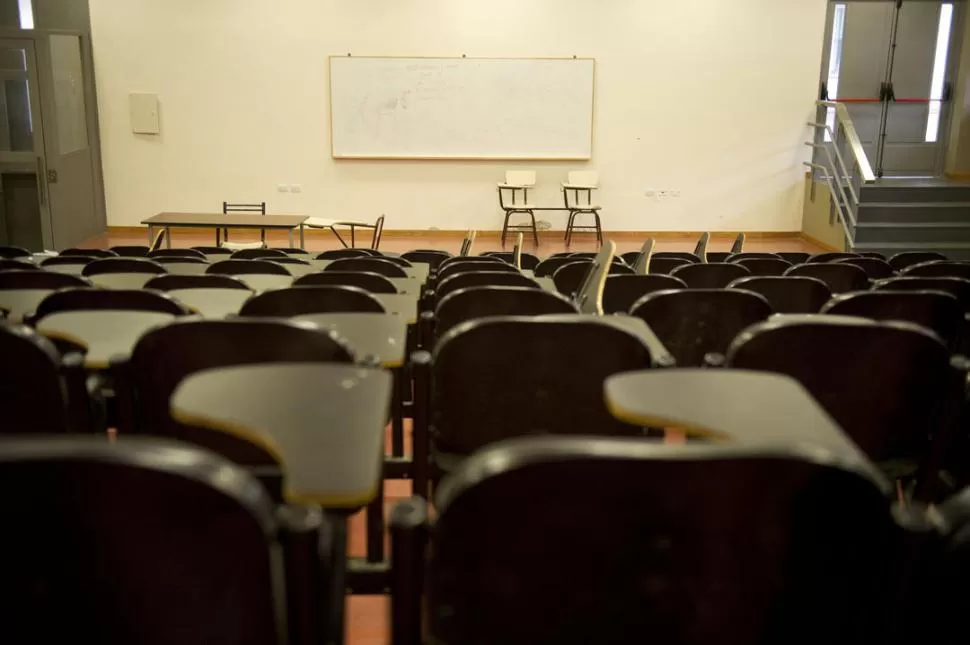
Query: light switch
pixel 144 113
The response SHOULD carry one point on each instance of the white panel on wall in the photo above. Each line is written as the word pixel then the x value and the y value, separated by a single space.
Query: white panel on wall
pixel 143 109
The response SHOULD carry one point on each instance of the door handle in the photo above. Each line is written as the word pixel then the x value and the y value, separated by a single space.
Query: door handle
pixel 52 176
pixel 40 183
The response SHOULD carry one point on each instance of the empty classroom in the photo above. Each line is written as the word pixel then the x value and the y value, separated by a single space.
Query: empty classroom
pixel 534 322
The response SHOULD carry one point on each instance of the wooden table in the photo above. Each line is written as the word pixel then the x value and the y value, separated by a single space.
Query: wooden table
pixel 20 302
pixel 212 303
pixel 221 221
pixel 106 333
pixel 323 422
pixel 746 407
pixel 380 336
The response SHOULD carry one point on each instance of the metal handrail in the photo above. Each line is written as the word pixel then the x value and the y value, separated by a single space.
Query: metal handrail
pixel 855 144
pixel 841 168
pixel 840 184
pixel 838 205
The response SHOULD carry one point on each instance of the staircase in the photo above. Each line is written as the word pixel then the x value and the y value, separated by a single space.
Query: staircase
pixel 897 215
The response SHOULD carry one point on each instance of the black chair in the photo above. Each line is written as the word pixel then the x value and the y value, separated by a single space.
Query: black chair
pixel 257 254
pixel 246 267
pixel 872 254
pixel 468 279
pixel 184 265
pixel 737 257
pixel 300 301
pixel 472 259
pixel 472 303
pixel 570 277
pixel 938 312
pixel 259 209
pixel 41 392
pixel 645 542
pixel 448 270
pixel 550 265
pixel 904 260
pixel 194 254
pixel 79 261
pixel 718 257
pixel 622 291
pixel 164 356
pixel 959 288
pixel 137 251
pixel 840 278
pixel 764 266
pixel 832 256
pixel 875 268
pixel 677 255
pixel 17 265
pixel 292 250
pixel 208 250
pixel 204 556
pixel 342 254
pixel 37 279
pixel 89 253
pixel 697 325
pixel 430 257
pixel 529 261
pixel 788 294
pixel 589 255
pixel 504 377
pixel 710 276
pixel 173 282
pixel 401 262
pixel 370 282
pixel 87 299
pixel 8 252
pixel 939 269
pixel 122 265
pixel 292 262
pixel 794 257
pixel 889 385
pixel 666 266
pixel 380 266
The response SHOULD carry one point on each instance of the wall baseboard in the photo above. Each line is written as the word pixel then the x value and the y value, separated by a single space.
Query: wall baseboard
pixel 811 240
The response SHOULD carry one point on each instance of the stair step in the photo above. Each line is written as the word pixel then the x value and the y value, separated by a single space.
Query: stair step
pixel 913 232
pixel 953 251
pixel 901 212
pixel 915 193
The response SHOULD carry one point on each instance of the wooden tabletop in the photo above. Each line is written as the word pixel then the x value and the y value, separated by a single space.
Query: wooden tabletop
pixel 752 408
pixel 381 336
pixel 212 303
pixel 106 333
pixel 217 220
pixel 323 422
pixel 19 302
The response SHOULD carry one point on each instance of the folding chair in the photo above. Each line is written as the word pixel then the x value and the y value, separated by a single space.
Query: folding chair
pixel 122 273
pixel 353 225
pixel 840 278
pixel 581 182
pixel 301 301
pixel 369 282
pixel 710 276
pixel 22 291
pixel 228 208
pixel 875 268
pixel 787 294
pixel 518 183
pixel 904 260
pixel 764 266
pixel 622 291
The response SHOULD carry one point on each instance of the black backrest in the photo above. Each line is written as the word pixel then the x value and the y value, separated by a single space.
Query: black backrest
pixel 550 265
pixel 647 542
pixel 832 256
pixel 300 301
pixel 764 266
pixel 166 355
pixel 875 268
pixel 17 265
pixel 140 541
pixel 959 288
pixel 13 252
pixel 737 257
pixel 937 311
pixel 693 323
pixel 472 303
pixel 710 276
pixel 889 385
pixel 621 291
pixel 210 250
pixel 529 261
pixel 795 257
pixel 61 260
pixel 123 265
pixel 788 294
pixel 381 266
pixel 472 259
pixel 292 250
pixel 341 254
pixel 666 266
pixel 448 269
pixel 872 254
pixel 718 256
pixel 38 279
pixel 939 269
pixel 571 276
pixel 401 262
pixel 33 390
pixel 483 278
pixel 431 258
pixel 677 255
pixel 99 299
pixel 840 278
pixel 256 254
pixel 907 259
pixel 497 378
pixel 137 251
pixel 244 208
pixel 172 282
pixel 181 253
pixel 246 267
pixel 89 253
pixel 371 282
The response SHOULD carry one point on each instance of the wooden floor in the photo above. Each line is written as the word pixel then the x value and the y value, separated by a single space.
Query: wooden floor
pixel 367 616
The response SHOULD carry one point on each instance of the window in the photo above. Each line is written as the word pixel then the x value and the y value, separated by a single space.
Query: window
pixel 835 65
pixel 26 8
pixel 939 73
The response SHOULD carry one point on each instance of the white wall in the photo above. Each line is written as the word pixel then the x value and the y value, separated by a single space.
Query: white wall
pixel 708 97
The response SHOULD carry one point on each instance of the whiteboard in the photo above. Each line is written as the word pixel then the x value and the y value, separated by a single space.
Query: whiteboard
pixel 461 108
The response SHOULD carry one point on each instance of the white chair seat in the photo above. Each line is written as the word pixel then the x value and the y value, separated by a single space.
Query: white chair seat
pixel 322 222
pixel 585 207
pixel 520 207
pixel 242 246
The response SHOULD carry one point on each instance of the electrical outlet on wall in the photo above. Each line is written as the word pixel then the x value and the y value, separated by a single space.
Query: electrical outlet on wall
pixel 296 188
pixel 282 188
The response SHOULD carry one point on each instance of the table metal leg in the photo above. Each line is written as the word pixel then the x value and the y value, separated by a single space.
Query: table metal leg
pixel 218 237
pixel 168 237
pixel 302 241
pixel 291 237
pixel 339 237
pixel 353 241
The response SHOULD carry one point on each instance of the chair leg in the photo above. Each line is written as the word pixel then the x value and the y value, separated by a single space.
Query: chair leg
pixel 569 228
pixel 599 228
pixel 535 230
pixel 505 227
pixel 569 222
